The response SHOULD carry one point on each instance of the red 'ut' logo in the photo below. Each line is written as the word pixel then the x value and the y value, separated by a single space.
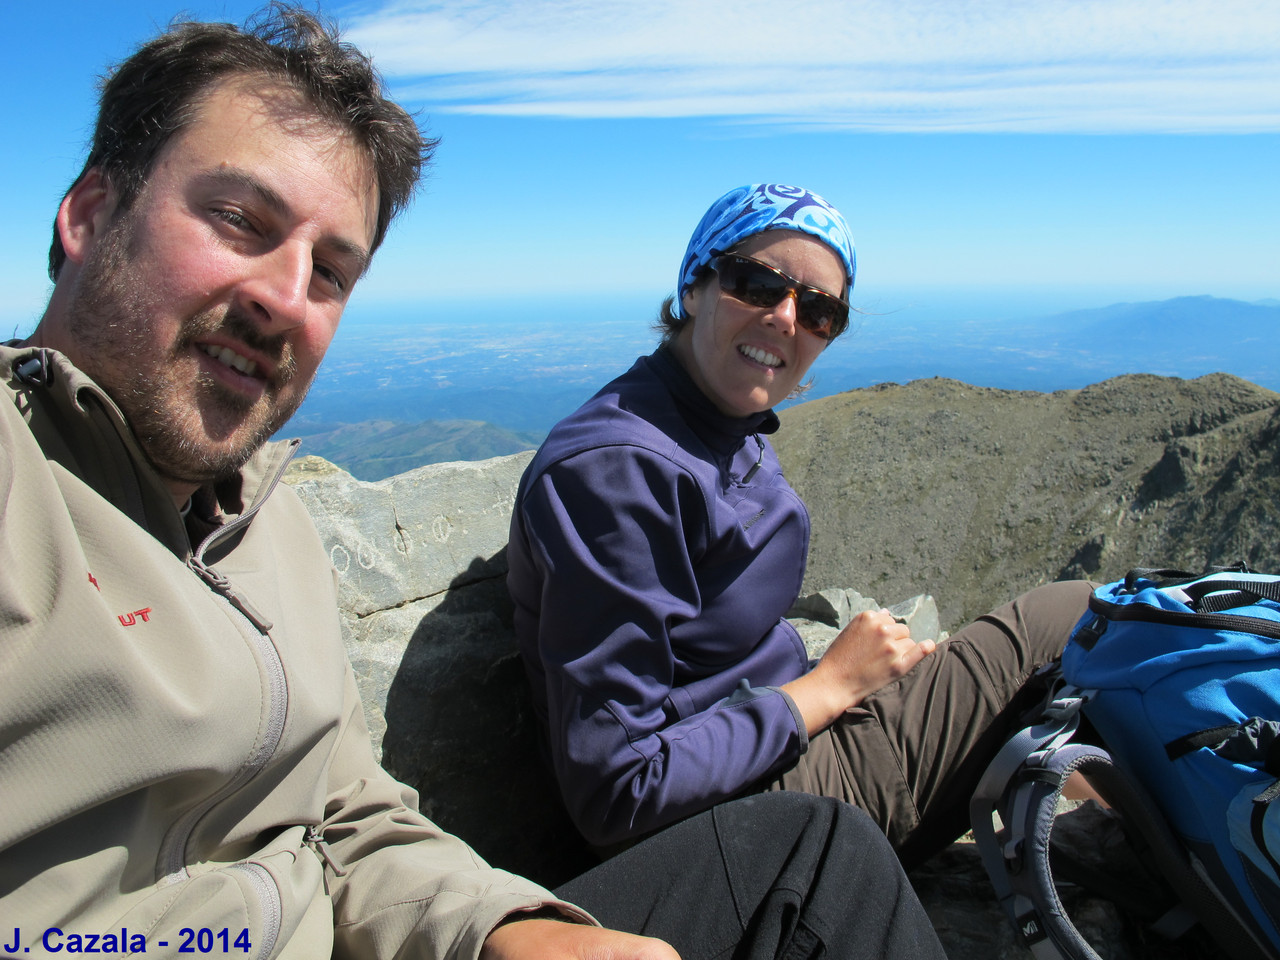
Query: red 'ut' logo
pixel 129 619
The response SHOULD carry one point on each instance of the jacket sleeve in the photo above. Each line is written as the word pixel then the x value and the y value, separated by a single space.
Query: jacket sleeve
pixel 615 535
pixel 402 887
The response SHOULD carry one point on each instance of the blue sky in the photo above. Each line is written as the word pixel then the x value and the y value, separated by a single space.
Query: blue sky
pixel 1010 155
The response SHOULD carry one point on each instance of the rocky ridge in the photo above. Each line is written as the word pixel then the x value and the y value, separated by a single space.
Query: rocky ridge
pixel 975 495
pixel 969 494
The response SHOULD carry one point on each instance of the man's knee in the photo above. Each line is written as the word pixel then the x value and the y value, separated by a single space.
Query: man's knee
pixel 796 831
pixel 782 815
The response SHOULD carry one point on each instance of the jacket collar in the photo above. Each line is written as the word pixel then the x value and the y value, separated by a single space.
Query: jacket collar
pixel 79 426
pixel 718 430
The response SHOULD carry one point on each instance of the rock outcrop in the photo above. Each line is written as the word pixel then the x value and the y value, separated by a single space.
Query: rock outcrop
pixel 973 494
pixel 421 578
pixel 421 581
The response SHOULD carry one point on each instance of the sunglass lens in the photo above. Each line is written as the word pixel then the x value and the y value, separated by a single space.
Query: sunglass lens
pixel 761 286
pixel 752 283
pixel 821 314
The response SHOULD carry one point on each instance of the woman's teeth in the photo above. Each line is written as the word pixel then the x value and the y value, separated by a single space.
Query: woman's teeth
pixel 760 356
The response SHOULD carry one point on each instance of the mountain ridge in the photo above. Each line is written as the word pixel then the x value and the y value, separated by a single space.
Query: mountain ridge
pixel 976 494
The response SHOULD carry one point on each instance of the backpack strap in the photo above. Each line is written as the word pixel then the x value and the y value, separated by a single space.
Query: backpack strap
pixel 1022 786
pixel 1027 772
pixel 1212 596
pixel 1157 576
pixel 1160 577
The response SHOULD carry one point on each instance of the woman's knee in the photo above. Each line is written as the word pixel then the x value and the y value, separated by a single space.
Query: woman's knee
pixel 1035 625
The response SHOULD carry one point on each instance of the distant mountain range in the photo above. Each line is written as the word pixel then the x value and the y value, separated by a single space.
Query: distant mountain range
pixel 1183 337
pixel 396 395
pixel 1179 336
pixel 377 449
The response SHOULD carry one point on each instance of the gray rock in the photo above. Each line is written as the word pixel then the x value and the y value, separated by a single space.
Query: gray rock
pixel 399 546
pixel 834 606
pixel 427 621
pixel 415 535
pixel 421 562
pixel 921 614
pixel 819 617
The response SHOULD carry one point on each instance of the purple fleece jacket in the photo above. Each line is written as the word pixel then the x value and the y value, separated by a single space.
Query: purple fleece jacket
pixel 650 570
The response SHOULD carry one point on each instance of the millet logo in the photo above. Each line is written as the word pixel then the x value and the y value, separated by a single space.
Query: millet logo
pixel 1031 930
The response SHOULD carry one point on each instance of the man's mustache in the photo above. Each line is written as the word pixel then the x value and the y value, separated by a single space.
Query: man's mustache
pixel 235 324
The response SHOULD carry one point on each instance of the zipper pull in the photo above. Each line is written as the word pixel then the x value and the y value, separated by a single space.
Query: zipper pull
pixel 220 584
pixel 34 371
pixel 316 839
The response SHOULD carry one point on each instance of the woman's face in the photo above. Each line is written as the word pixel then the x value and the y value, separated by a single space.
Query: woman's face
pixel 747 359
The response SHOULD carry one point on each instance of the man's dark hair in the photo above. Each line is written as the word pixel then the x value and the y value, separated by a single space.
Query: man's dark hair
pixel 158 91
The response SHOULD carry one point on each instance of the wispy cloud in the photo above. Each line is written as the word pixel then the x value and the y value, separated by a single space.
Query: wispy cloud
pixel 893 65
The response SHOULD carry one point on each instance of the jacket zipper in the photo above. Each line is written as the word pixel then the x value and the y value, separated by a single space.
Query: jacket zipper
pixel 316 839
pixel 172 859
pixel 269 898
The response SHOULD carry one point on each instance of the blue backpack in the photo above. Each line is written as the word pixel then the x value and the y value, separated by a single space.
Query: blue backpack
pixel 1180 678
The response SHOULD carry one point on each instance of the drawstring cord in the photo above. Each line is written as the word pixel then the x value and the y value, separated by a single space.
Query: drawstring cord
pixel 759 460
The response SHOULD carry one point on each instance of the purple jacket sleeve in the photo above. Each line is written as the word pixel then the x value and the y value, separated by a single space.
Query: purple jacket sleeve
pixel 652 713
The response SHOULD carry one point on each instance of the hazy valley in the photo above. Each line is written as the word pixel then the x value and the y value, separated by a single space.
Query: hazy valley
pixel 401 393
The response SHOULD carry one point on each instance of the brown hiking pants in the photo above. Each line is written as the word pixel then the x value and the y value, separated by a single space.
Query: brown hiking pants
pixel 912 753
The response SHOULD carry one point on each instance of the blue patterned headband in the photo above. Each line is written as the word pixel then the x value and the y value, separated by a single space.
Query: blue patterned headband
pixel 745 211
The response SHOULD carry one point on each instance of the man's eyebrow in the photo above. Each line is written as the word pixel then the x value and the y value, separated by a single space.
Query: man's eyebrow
pixel 277 204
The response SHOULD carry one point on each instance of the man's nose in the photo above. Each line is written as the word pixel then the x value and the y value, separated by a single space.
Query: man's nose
pixel 278 290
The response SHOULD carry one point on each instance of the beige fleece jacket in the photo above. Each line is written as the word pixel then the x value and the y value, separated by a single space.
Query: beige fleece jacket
pixel 182 746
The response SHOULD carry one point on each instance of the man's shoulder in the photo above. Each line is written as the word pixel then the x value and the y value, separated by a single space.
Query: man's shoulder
pixel 17 442
pixel 53 399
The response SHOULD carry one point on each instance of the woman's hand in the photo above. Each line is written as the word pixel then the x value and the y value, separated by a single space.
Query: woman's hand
pixel 873 650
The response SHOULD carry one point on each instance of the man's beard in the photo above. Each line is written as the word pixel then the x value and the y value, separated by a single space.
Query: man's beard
pixel 192 428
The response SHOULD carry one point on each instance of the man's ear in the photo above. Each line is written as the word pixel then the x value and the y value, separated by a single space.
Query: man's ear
pixel 85 212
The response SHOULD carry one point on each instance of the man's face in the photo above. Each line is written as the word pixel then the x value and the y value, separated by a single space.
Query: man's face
pixel 205 309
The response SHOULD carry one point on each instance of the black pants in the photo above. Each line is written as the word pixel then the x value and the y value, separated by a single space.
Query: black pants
pixel 779 875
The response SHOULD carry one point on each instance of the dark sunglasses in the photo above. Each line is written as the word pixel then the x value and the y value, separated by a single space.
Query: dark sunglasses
pixel 760 285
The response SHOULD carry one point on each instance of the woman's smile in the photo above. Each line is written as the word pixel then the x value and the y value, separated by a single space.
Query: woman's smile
pixel 748 358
